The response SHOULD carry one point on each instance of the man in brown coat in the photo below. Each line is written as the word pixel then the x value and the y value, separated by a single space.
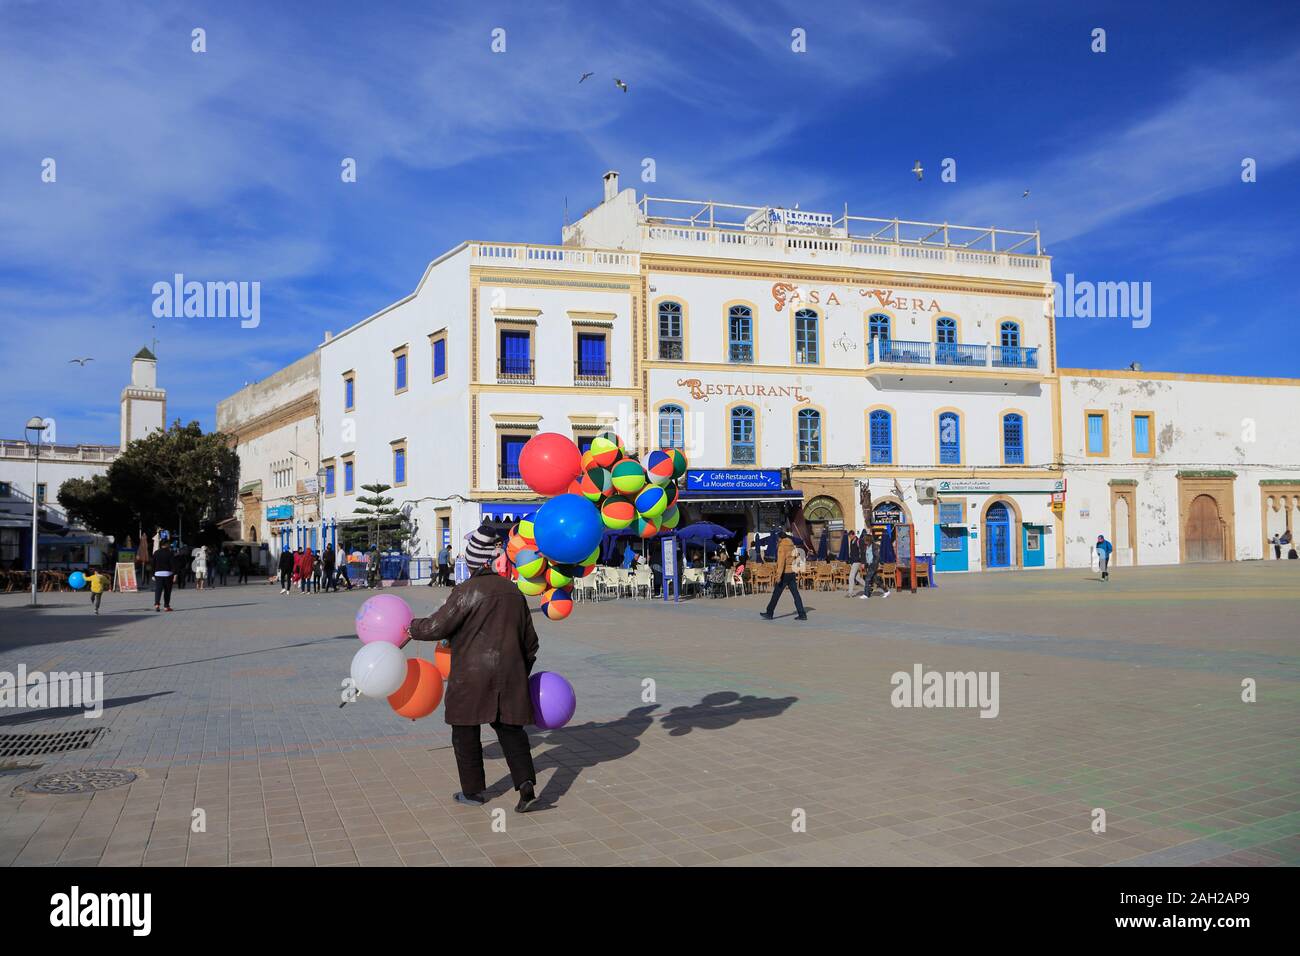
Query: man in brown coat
pixel 785 578
pixel 489 627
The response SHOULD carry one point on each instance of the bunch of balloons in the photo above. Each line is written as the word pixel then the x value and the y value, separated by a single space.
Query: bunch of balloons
pixel 605 487
pixel 413 687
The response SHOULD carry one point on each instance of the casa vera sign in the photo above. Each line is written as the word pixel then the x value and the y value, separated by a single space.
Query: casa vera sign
pixel 702 391
pixel 786 293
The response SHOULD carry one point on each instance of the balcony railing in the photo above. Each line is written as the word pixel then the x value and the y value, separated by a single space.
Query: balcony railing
pixel 591 373
pixel 743 454
pixel 740 352
pixel 511 481
pixel 670 349
pixel 515 371
pixel 950 354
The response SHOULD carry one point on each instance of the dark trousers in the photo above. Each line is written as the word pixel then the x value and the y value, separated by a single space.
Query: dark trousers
pixel 869 577
pixel 286 580
pixel 1105 564
pixel 787 580
pixel 444 574
pixel 96 597
pixel 243 575
pixel 330 580
pixel 468 746
pixel 162 590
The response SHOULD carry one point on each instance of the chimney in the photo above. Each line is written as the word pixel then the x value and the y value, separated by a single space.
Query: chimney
pixel 611 184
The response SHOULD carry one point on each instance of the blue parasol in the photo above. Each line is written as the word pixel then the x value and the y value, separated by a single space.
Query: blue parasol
pixel 703 532
pixel 823 546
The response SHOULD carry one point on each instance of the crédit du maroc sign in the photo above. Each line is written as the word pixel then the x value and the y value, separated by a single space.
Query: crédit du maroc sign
pixel 786 293
pixel 703 391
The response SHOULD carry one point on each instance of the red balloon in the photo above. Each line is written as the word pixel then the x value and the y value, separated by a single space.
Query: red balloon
pixel 421 692
pixel 442 661
pixel 548 462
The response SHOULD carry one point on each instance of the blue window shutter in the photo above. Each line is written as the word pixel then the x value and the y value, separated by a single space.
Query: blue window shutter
pixel 329 480
pixel 399 465
pixel 882 438
pixel 949 439
pixel 514 350
pixel 1096 438
pixel 1013 439
pixel 347 393
pixel 510 449
pixel 591 354
pixel 401 371
pixel 1142 435
pixel 347 476
pixel 439 358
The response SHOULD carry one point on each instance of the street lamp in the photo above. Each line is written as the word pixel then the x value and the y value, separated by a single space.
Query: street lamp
pixel 37 425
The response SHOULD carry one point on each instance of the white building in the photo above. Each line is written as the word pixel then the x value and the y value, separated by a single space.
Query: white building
pixel 144 404
pixel 797 357
pixel 275 425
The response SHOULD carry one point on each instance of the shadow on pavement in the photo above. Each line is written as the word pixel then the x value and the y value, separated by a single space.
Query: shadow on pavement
pixel 51 713
pixel 723 709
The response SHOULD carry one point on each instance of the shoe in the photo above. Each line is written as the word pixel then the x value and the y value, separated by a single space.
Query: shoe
pixel 156 608
pixel 167 609
pixel 527 797
pixel 474 801
pixel 801 617
pixel 886 594
pixel 864 597
pixel 764 615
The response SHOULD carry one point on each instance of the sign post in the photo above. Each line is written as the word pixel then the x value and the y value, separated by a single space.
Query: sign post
pixel 669 556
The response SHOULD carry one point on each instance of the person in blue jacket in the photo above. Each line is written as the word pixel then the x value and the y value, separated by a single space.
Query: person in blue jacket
pixel 1103 556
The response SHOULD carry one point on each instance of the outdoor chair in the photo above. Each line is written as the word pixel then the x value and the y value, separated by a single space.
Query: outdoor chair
pixel 642 582
pixel 889 576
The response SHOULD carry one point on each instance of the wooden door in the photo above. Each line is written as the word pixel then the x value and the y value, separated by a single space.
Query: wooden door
pixel 1204 530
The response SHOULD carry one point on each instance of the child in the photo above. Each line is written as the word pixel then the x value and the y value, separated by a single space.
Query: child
pixel 98 583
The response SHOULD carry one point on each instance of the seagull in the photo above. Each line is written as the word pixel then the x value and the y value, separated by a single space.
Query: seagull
pixel 585 76
pixel 81 361
pixel 620 84
pixel 1025 195
pixel 918 170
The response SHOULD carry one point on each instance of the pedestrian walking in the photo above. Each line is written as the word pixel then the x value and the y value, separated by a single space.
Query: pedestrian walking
pixel 286 570
pixel 223 566
pixel 1276 542
pixel 210 564
pixel 341 562
pixel 487 624
pixel 304 571
pixel 1103 550
pixel 444 566
pixel 317 569
pixel 785 578
pixel 199 567
pixel 327 568
pixel 855 563
pixel 164 570
pixel 243 561
pixel 99 583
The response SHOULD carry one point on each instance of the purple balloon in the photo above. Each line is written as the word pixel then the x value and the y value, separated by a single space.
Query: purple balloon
pixel 384 617
pixel 553 700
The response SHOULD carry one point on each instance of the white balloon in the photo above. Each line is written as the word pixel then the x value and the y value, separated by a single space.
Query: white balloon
pixel 379 669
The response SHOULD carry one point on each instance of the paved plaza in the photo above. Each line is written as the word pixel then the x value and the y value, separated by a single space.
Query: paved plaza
pixel 1124 697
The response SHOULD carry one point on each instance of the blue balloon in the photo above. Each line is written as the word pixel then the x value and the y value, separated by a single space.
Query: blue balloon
pixel 77 580
pixel 567 529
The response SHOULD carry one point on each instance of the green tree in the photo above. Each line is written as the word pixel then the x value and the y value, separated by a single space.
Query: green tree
pixel 377 509
pixel 169 478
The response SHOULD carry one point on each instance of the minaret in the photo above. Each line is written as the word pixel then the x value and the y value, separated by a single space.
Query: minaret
pixel 144 404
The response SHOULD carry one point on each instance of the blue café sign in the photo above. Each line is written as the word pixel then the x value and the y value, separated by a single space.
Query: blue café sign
pixel 733 479
pixel 279 512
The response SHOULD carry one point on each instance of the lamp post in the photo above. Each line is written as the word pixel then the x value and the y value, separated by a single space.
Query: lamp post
pixel 320 503
pixel 37 425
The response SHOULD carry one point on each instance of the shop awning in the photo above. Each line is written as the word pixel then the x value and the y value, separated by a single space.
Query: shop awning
pixel 785 494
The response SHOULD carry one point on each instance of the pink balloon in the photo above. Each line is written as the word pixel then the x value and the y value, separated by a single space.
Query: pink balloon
pixel 384 617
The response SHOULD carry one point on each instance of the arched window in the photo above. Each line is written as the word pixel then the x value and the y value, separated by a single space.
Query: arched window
pixel 672 427
pixel 878 327
pixel 949 438
pixel 881 427
pixel 743 429
pixel 945 331
pixel 740 333
pixel 1013 439
pixel 806 340
pixel 1009 335
pixel 810 437
pixel 670 330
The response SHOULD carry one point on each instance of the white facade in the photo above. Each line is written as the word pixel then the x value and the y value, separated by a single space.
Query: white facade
pixel 276 428
pixel 144 404
pixel 674 321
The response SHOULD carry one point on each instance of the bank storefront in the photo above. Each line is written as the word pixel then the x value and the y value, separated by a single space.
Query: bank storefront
pixel 992 523
pixel 743 500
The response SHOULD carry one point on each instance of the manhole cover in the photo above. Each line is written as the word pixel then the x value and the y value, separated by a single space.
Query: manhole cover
pixel 79 781
pixel 33 745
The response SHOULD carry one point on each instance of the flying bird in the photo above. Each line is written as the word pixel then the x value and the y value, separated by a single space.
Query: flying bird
pixel 1025 195
pixel 585 76
pixel 620 84
pixel 918 170
pixel 81 361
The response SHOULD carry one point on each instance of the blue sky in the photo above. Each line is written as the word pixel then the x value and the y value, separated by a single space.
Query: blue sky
pixel 225 165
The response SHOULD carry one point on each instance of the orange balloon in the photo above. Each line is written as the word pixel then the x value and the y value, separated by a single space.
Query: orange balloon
pixel 421 692
pixel 442 661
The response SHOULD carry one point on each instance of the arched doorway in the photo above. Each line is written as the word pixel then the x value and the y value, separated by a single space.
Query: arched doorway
pixel 997 536
pixel 252 532
pixel 1204 530
pixel 824 516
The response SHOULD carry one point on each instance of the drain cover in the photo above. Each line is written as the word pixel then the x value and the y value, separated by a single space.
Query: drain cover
pixel 33 745
pixel 79 781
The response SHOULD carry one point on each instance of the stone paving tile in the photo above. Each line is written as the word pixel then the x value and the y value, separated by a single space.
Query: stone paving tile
pixel 1111 700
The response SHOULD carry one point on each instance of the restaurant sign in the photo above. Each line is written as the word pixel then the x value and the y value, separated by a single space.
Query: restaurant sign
pixel 704 390
pixel 279 512
pixel 733 479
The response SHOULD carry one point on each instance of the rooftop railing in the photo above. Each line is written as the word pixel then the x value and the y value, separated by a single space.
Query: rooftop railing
pixel 950 354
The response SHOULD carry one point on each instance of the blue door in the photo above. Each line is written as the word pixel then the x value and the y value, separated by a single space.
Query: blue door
pixel 998 545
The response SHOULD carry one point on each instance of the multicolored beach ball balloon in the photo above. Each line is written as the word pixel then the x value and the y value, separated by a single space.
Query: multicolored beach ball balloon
pixel 678 459
pixel 531 563
pixel 606 448
pixel 556 578
pixel 651 502
pixel 659 467
pixel 595 483
pixel 669 519
pixel 524 529
pixel 646 527
pixel 628 476
pixel 532 586
pixel 617 512
pixel 557 604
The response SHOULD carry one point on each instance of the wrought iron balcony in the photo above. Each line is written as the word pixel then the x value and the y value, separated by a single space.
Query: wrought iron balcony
pixel 740 352
pixel 513 371
pixel 591 373
pixel 1008 356
pixel 511 481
